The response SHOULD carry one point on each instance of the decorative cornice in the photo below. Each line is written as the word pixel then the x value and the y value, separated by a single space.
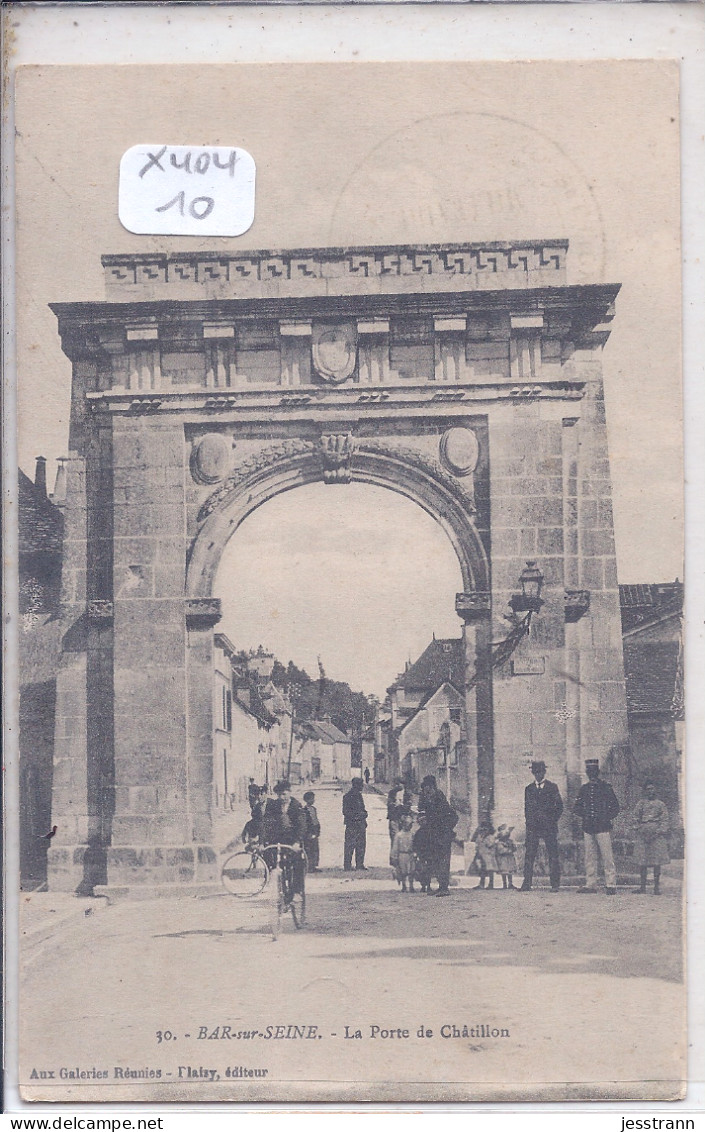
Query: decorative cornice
pixel 479 265
pixel 181 399
pixel 473 606
pixel 577 603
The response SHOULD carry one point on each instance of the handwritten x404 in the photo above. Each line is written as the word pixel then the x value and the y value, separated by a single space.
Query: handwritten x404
pixel 184 190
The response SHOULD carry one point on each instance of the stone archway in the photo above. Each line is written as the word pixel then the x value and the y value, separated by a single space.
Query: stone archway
pixel 339 459
pixel 465 377
pixel 336 459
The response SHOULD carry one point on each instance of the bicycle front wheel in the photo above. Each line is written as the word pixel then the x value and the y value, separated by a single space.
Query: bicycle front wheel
pixel 244 875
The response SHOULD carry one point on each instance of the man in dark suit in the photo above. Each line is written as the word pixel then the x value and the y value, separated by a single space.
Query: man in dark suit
pixel 542 808
pixel 355 818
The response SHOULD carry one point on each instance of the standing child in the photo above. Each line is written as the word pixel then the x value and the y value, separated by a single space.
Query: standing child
pixel 313 832
pixel 422 853
pixel 505 854
pixel 484 839
pixel 401 857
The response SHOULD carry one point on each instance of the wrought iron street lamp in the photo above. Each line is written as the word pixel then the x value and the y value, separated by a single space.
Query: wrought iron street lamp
pixel 529 600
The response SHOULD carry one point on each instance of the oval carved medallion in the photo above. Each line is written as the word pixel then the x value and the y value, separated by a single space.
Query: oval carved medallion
pixel 459 450
pixel 334 350
pixel 211 458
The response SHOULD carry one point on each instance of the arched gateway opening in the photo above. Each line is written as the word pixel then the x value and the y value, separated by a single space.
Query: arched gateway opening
pixel 361 578
pixel 339 460
pixel 464 377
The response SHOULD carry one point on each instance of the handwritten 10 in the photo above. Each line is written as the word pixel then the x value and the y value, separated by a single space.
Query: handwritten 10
pixel 184 190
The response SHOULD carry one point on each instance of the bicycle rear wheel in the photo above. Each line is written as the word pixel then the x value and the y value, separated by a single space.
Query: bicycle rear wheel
pixel 244 875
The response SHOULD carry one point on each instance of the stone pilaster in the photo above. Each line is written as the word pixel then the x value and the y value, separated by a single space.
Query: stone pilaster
pixel 160 830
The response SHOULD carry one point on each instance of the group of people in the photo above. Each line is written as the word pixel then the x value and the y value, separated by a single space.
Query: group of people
pixel 421 839
pixel 421 853
pixel 283 820
pixel 596 807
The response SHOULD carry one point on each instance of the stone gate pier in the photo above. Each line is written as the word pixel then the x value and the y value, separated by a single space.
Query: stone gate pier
pixel 465 377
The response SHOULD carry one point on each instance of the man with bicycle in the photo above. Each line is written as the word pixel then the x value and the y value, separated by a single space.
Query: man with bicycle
pixel 284 823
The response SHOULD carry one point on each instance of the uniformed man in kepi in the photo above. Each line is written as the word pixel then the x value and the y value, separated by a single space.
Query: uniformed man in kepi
pixel 597 806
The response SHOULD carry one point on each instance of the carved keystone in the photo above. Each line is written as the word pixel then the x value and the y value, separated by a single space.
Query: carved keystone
pixel 336 451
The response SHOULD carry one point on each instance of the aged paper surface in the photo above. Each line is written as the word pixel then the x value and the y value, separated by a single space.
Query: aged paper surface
pixel 388 435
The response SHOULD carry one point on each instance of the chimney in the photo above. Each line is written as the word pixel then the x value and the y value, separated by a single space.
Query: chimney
pixel 59 496
pixel 40 477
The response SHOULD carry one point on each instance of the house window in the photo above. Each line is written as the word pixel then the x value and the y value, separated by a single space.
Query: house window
pixel 455 716
pixel 227 709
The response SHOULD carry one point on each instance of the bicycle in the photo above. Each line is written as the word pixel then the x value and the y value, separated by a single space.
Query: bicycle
pixel 247 873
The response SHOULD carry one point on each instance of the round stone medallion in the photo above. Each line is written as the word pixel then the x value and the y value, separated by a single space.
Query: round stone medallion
pixel 460 450
pixel 211 458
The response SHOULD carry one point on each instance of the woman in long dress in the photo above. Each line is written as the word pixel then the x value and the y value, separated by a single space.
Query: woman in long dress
pixel 651 829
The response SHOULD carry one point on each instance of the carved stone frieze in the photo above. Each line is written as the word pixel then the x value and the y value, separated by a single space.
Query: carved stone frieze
pixel 420 460
pixel 265 458
pixel 543 260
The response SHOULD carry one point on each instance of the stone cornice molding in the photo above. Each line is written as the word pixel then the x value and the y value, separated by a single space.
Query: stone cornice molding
pixel 474 606
pixel 482 262
pixel 312 398
pixel 590 303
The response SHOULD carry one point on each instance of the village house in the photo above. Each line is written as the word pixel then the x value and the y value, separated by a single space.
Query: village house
pixel 653 666
pixel 412 737
pixel 323 752
pixel 41 527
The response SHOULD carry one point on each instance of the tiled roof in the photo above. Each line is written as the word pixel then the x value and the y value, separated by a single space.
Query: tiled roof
pixel 645 604
pixel 322 730
pixel 442 660
pixel 41 523
pixel 651 671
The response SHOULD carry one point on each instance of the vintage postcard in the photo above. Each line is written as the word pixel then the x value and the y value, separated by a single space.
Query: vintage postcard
pixel 350 575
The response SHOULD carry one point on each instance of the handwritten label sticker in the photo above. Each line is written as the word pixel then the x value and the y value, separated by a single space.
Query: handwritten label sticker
pixel 186 190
